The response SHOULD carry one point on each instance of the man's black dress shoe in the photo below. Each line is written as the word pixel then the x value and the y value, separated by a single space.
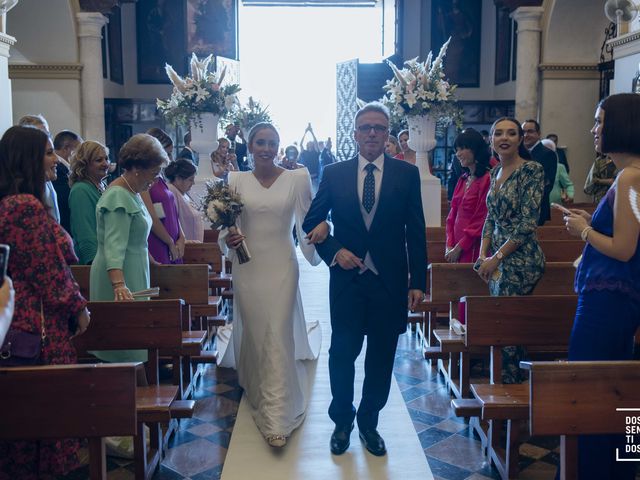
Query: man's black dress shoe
pixel 373 442
pixel 341 438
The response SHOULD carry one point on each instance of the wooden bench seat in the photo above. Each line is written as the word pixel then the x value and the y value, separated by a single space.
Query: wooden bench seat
pixel 67 401
pixel 499 401
pixel 551 232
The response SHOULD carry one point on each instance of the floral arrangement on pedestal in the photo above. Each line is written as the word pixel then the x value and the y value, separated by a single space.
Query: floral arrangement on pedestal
pixel 222 207
pixel 200 93
pixel 250 114
pixel 421 89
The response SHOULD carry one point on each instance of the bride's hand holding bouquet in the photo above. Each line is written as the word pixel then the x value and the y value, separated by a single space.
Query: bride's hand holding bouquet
pixel 222 207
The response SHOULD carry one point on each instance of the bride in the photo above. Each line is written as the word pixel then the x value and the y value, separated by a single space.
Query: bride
pixel 269 338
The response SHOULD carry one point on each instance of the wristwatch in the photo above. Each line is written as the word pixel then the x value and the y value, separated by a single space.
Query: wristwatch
pixel 499 255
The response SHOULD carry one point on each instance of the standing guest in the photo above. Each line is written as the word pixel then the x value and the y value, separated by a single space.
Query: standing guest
pixel 392 147
pixel 65 143
pixel 223 160
pixel 406 153
pixel 560 151
pixel 121 264
pixel 166 240
pixel 513 203
pixel 50 198
pixel 310 157
pixel 47 299
pixel 188 152
pixel 164 139
pixel 239 149
pixel 607 285
pixel 181 175
pixel 89 168
pixel 600 177
pixel 546 158
pixel 563 189
pixel 7 302
pixel 469 203
pixel 378 260
pixel 326 156
pixel 290 159
pixel 269 335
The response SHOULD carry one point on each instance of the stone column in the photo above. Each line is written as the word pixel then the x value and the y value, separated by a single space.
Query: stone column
pixel 6 112
pixel 92 90
pixel 527 75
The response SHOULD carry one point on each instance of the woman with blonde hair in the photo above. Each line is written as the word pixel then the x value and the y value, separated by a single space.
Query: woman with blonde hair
pixel 222 160
pixel 89 168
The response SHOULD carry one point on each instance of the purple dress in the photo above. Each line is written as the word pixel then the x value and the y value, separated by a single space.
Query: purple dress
pixel 166 209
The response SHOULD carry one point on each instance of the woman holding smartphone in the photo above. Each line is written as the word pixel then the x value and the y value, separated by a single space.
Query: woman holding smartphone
pixel 511 259
pixel 608 276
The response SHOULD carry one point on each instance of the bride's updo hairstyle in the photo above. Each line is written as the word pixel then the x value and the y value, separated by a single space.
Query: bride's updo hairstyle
pixel 261 126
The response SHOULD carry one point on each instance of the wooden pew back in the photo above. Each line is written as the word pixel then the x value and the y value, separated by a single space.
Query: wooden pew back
pixel 520 320
pixel 211 236
pixel 208 253
pixel 554 250
pixel 576 398
pixel 450 281
pixel 551 232
pixel 59 401
pixel 188 282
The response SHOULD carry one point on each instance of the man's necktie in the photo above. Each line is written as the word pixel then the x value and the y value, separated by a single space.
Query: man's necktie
pixel 369 190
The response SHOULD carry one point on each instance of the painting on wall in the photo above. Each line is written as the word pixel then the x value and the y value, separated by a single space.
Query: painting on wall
pixel 212 27
pixel 503 46
pixel 160 33
pixel 116 70
pixel 461 20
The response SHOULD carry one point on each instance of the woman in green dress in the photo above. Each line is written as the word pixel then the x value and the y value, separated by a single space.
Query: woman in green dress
pixel 516 262
pixel 121 265
pixel 89 168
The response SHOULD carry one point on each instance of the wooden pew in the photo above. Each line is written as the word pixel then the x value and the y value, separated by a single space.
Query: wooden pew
pixel 152 326
pixel 554 250
pixel 497 322
pixel 551 232
pixel 211 236
pixel 67 401
pixel 581 398
pixel 557 217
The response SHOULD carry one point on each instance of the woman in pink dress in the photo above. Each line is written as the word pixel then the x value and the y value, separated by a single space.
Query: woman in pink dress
pixel 468 204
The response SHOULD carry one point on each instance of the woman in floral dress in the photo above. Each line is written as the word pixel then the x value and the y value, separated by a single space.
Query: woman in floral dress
pixel 38 266
pixel 509 232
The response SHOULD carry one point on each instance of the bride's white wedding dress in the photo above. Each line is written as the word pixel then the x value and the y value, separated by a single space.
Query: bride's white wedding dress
pixel 269 338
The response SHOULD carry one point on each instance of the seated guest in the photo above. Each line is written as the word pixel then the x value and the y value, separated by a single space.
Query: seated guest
pixel 121 264
pixel 50 197
pixel 65 143
pixel 469 203
pixel 608 312
pixel 181 175
pixel 563 190
pixel 600 177
pixel 290 159
pixel 89 168
pixel 47 298
pixel 166 240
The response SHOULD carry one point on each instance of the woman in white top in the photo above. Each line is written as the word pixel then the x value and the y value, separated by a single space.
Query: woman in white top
pixel 181 176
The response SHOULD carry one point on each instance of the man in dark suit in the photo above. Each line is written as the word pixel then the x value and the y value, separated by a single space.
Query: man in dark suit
pixel 547 158
pixel 560 151
pixel 239 149
pixel 65 144
pixel 187 152
pixel 378 257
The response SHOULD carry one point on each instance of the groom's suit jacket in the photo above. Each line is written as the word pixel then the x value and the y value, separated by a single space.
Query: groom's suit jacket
pixel 396 240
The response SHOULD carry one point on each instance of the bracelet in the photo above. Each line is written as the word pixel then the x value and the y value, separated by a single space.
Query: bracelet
pixel 585 233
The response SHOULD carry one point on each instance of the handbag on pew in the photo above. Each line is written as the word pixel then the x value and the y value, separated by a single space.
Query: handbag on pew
pixel 23 348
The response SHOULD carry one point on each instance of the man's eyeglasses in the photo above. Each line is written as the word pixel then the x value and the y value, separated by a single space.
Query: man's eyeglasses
pixel 375 128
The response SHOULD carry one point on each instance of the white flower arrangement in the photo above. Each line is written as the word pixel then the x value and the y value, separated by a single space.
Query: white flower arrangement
pixel 246 116
pixel 202 92
pixel 421 89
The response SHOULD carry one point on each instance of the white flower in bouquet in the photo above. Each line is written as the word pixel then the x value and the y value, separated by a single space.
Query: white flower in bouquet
pixel 203 92
pixel 420 88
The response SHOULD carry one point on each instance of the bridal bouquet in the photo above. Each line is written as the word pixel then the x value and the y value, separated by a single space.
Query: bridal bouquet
pixel 422 89
pixel 202 92
pixel 222 207
pixel 246 116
